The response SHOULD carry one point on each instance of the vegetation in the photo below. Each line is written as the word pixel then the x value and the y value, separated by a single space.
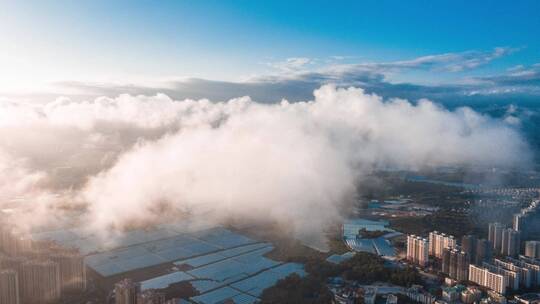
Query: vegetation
pixel 294 289
pixel 449 220
pixel 365 268
pixel 368 268
pixel 180 290
pixel 334 237
pixel 371 234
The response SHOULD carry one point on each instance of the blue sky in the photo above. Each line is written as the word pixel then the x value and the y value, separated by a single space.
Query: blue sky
pixel 150 44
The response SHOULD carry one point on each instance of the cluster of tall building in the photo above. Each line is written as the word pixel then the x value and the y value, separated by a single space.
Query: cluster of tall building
pixel 417 250
pixel 455 259
pixel 501 275
pixel 505 241
pixel 37 272
pixel 128 292
pixel 478 250
pixel 473 260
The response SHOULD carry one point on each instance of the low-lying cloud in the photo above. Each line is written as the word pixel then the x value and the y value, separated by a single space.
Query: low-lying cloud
pixel 128 158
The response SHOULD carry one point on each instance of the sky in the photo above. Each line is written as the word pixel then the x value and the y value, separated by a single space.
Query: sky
pixel 188 48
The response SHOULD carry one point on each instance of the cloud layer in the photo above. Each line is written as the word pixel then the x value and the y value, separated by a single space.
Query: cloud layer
pixel 132 158
pixel 296 78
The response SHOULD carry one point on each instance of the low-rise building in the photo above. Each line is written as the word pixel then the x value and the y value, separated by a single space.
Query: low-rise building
pixel 452 294
pixel 495 297
pixel 471 295
pixel 418 294
pixel 528 298
pixel 392 299
pixel 347 295
pixel 370 294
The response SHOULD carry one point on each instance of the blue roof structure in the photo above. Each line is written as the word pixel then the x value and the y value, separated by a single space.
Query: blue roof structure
pixel 380 245
pixel 165 280
pixel 256 284
pixel 383 247
pixel 197 246
pixel 222 265
pixel 203 286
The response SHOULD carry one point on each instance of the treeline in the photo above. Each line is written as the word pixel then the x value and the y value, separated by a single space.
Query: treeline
pixel 295 289
pixel 366 234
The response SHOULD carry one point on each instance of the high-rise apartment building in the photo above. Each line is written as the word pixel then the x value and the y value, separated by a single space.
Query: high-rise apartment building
pixel 417 250
pixel 126 292
pixel 14 243
pixel 40 282
pixel 463 262
pixel 532 249
pixel 9 287
pixel 528 220
pixel 512 278
pixel 445 261
pixel 532 264
pixel 511 242
pixel 72 271
pixel 525 274
pixel 495 236
pixel 468 245
pixel 438 242
pixel 486 278
pixel 484 250
pixel 455 263
pixel 15 263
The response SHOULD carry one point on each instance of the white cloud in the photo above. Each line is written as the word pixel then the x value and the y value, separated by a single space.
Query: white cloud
pixel 131 156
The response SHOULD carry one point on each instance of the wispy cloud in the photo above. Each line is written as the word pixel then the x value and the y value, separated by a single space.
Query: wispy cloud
pixel 291 64
pixel 295 79
pixel 523 80
pixel 454 62
pixel 447 62
pixel 519 75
